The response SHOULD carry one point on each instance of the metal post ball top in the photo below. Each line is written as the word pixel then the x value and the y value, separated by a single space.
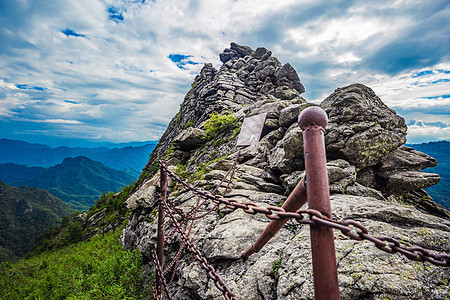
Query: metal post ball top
pixel 313 115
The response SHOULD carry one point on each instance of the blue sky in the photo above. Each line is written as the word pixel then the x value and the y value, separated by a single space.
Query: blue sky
pixel 79 72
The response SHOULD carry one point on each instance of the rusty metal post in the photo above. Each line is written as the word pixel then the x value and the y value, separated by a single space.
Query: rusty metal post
pixel 293 203
pixel 160 232
pixel 313 121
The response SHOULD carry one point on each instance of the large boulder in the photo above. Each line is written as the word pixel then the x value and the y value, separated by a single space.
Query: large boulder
pixel 190 138
pixel 361 128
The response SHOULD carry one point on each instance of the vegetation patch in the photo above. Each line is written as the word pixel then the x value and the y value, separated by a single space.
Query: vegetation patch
pixel 188 124
pixel 191 177
pixel 98 269
pixel 219 124
pixel 153 170
pixel 145 174
pixel 276 264
pixel 179 115
pixel 109 212
pixel 169 151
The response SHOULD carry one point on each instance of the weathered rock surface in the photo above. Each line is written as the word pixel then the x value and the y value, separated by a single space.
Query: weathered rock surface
pixel 374 180
pixel 361 127
pixel 189 138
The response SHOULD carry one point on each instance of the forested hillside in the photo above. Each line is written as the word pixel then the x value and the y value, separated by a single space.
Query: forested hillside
pixel 24 215
pixel 80 258
pixel 77 181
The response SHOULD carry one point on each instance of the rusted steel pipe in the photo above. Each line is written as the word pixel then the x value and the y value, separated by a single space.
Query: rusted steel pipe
pixel 160 232
pixel 293 203
pixel 313 121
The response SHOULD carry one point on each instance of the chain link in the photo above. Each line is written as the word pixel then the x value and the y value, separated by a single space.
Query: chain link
pixel 159 273
pixel 211 273
pixel 350 228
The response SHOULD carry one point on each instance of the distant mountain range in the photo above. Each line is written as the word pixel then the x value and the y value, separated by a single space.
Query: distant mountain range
pixel 441 152
pixel 77 181
pixel 24 215
pixel 39 185
pixel 130 159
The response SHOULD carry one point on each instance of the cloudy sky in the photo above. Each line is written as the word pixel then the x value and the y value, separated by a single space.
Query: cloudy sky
pixel 77 72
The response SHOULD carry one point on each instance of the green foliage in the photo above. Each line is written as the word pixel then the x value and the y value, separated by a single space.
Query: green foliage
pixel 181 171
pixel 69 231
pixel 169 151
pixel 179 115
pixel 98 269
pixel 6 254
pixel 25 214
pixel 191 177
pixel 112 207
pixel 220 213
pixel 153 170
pixel 109 211
pixel 218 125
pixel 199 174
pixel 276 264
pixel 145 174
pixel 213 155
pixel 188 124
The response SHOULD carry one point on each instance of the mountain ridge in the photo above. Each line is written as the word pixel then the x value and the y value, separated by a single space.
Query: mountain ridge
pixel 77 181
pixel 130 158
pixel 374 179
pixel 26 212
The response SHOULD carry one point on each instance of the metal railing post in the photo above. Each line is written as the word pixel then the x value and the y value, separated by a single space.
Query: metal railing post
pixel 313 121
pixel 160 232
pixel 294 202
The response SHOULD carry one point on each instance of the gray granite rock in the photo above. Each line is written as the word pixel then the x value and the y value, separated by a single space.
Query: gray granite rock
pixel 361 127
pixel 373 179
pixel 190 138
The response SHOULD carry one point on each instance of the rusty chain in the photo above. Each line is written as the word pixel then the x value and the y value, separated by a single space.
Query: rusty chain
pixel 211 273
pixel 159 273
pixel 231 170
pixel 191 216
pixel 387 244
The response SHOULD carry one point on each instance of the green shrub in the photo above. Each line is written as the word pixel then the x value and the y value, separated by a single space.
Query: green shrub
pixel 218 124
pixel 97 269
pixel 276 264
pixel 110 208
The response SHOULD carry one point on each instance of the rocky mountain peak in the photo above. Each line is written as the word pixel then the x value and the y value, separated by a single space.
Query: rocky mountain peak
pixel 247 77
pixel 374 179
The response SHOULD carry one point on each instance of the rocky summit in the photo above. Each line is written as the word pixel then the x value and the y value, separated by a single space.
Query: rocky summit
pixel 374 180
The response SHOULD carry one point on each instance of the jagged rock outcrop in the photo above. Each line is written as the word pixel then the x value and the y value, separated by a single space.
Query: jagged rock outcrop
pixel 374 180
pixel 362 129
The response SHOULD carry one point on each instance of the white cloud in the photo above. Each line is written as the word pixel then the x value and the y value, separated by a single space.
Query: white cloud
pixel 421 91
pixel 117 81
pixel 419 133
pixel 57 121
pixel 421 97
pixel 10 104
